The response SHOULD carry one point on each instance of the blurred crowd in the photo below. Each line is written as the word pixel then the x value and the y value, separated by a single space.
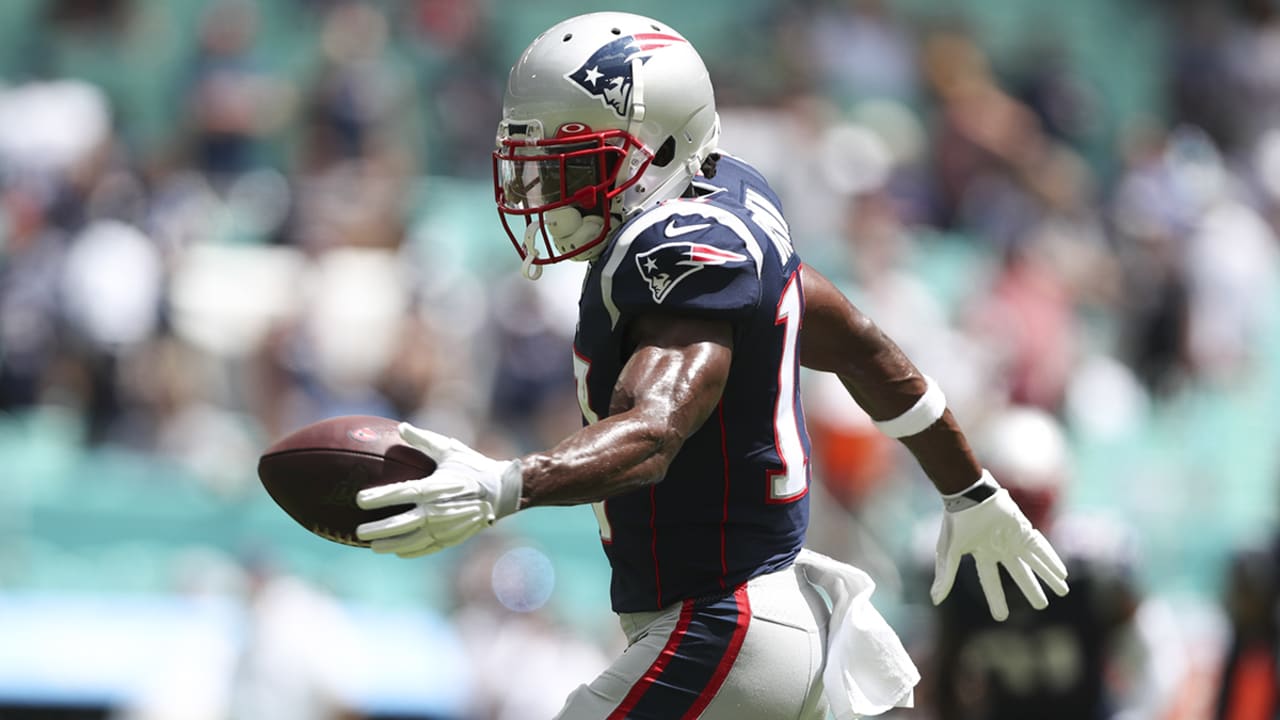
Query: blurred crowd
pixel 292 221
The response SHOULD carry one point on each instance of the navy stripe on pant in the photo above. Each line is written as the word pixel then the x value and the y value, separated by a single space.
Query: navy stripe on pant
pixel 693 664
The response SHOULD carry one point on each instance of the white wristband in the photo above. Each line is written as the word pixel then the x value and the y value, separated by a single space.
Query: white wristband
pixel 920 416
pixel 510 490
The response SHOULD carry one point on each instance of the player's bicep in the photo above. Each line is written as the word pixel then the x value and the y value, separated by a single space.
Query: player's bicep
pixel 836 334
pixel 837 337
pixel 676 372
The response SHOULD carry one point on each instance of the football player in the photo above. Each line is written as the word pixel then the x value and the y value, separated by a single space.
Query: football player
pixel 695 317
pixel 1084 656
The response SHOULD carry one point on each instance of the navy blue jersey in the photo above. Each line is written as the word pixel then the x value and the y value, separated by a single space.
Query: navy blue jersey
pixel 734 503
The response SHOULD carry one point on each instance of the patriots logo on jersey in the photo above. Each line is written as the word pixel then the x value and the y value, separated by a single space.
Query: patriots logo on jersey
pixel 666 265
pixel 606 75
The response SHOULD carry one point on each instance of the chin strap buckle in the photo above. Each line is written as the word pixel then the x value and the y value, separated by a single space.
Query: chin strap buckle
pixel 527 268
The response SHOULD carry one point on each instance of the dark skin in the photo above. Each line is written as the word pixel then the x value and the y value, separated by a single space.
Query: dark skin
pixel 674 379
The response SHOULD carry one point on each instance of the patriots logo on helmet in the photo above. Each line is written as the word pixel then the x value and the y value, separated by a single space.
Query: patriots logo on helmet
pixel 666 265
pixel 606 75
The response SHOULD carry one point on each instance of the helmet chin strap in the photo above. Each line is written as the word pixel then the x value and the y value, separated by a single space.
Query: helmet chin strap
pixel 568 229
pixel 527 268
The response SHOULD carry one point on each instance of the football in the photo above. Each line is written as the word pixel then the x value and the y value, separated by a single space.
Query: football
pixel 314 473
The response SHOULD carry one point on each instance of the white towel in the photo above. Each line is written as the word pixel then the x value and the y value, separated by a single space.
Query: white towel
pixel 868 671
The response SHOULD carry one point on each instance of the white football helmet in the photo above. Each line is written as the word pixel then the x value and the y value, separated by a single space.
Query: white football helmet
pixel 605 115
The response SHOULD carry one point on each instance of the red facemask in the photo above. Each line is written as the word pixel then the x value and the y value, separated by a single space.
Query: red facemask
pixel 578 169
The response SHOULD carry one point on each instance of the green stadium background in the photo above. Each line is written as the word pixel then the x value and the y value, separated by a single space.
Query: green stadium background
pixel 95 530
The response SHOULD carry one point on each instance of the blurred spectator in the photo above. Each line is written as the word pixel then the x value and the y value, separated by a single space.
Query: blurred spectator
pixel 359 91
pixel 290 659
pixel 286 669
pixel 533 391
pixel 997 171
pixel 178 404
pixel 1201 87
pixel 1004 181
pixel 860 49
pixel 1026 320
pixel 90 15
pixel 1231 258
pixel 464 76
pixel 1067 106
pixel 34 253
pixel 1252 55
pixel 82 284
pixel 54 135
pixel 819 162
pixel 233 101
pixel 356 160
pixel 1200 261
pixel 1151 215
pixel 412 372
pixel 885 254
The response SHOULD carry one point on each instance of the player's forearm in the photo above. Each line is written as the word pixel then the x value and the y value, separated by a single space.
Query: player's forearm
pixel 619 453
pixel 944 455
pixel 888 389
pixel 668 388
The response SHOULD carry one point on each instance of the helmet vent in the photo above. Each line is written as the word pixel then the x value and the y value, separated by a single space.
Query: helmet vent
pixel 567 37
pixel 616 31
pixel 655 27
pixel 666 153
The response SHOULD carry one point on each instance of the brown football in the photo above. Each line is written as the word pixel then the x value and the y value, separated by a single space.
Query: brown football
pixel 314 473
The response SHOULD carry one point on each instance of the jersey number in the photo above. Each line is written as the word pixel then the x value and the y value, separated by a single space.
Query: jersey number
pixel 581 368
pixel 1028 662
pixel 792 481
pixel 769 218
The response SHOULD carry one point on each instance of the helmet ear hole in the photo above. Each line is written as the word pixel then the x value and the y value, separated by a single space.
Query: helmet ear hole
pixel 666 153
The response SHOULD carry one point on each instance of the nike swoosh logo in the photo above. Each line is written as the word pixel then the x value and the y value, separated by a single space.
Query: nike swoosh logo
pixel 673 230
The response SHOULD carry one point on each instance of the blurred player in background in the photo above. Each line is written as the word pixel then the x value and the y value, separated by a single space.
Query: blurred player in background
pixel 1250 677
pixel 1084 657
pixel 695 317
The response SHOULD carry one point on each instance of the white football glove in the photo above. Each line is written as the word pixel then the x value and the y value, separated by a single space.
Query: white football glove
pixel 467 493
pixel 985 522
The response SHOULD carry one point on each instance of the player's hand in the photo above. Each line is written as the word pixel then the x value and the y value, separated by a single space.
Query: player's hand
pixel 996 532
pixel 467 493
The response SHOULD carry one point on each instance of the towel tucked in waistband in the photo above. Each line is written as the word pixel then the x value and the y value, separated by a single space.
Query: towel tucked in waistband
pixel 868 671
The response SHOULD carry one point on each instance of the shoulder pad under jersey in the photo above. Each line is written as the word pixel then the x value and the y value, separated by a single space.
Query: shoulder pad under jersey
pixel 683 255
